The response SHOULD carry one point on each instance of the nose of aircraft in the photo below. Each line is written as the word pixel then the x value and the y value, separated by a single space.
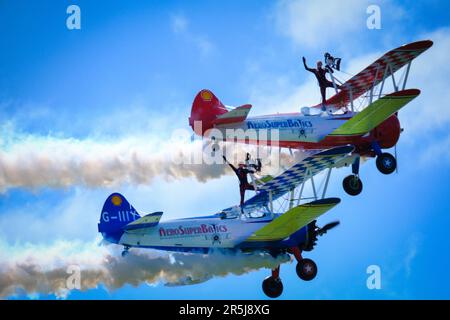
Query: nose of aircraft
pixel 388 132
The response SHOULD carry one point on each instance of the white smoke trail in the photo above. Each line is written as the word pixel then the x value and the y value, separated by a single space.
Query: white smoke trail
pixel 45 269
pixel 36 162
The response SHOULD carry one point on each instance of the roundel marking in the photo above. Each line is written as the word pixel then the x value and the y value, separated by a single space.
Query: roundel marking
pixel 116 200
pixel 206 95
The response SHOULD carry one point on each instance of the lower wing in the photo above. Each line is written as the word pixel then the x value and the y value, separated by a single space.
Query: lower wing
pixel 294 219
pixel 376 113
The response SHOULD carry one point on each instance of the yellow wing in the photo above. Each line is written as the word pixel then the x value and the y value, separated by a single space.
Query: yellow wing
pixel 376 113
pixel 294 219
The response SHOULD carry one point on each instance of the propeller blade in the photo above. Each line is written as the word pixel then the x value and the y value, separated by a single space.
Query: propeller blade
pixel 331 225
pixel 327 227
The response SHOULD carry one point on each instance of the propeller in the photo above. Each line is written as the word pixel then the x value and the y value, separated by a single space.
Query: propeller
pixel 325 228
pixel 314 231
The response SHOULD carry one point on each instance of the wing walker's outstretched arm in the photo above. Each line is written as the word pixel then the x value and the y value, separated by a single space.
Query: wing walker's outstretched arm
pixel 232 167
pixel 306 67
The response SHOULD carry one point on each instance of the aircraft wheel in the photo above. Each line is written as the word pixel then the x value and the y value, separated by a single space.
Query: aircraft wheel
pixel 306 269
pixel 125 253
pixel 386 163
pixel 272 287
pixel 352 185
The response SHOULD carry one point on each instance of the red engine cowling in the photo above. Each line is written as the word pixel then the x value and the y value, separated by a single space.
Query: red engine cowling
pixel 387 133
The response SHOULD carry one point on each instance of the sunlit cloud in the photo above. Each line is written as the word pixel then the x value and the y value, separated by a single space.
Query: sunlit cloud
pixel 320 23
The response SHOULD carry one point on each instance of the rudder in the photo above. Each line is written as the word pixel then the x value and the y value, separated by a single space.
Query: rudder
pixel 205 108
pixel 117 212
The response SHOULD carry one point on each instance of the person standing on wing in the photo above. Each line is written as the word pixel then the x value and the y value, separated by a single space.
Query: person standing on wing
pixel 241 172
pixel 324 83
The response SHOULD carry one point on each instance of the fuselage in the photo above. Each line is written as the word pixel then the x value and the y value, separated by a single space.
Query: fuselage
pixel 310 132
pixel 205 233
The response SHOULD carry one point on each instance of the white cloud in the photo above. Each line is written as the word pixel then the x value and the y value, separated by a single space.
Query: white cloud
pixel 414 242
pixel 319 23
pixel 430 73
pixel 438 150
pixel 180 26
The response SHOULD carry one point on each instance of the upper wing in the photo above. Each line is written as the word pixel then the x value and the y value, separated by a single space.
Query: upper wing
pixel 376 72
pixel 295 175
pixel 294 219
pixel 236 115
pixel 376 113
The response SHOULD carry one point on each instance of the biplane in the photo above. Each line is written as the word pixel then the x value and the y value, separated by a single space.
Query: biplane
pixel 258 226
pixel 359 114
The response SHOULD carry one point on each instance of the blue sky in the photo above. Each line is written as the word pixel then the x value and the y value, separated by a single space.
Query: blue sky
pixel 132 71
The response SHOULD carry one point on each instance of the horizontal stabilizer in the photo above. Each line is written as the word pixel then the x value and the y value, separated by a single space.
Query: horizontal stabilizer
pixel 236 115
pixel 147 221
pixel 376 113
pixel 294 219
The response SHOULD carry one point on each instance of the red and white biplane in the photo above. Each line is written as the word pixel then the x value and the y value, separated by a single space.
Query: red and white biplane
pixel 359 114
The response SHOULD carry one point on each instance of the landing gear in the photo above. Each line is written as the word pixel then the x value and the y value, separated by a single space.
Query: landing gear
pixel 272 285
pixel 386 163
pixel 306 269
pixel 126 251
pixel 352 185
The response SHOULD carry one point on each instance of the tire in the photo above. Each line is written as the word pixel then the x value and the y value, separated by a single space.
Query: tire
pixel 386 163
pixel 352 185
pixel 272 287
pixel 306 269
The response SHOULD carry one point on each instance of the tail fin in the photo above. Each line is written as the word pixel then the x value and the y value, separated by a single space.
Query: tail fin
pixel 117 212
pixel 205 108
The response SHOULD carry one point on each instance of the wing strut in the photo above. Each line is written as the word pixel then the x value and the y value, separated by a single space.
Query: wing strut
pixel 373 85
pixel 294 177
pixel 407 74
pixel 326 183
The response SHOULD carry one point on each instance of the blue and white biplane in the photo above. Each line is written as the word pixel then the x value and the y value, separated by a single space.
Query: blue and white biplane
pixel 257 227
